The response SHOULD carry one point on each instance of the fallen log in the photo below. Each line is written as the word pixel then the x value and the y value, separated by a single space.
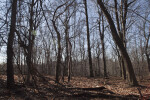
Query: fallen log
pixel 89 89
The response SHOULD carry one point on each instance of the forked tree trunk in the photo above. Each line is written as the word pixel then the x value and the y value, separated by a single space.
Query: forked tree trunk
pixel 131 76
pixel 101 31
pixel 68 46
pixel 121 30
pixel 10 69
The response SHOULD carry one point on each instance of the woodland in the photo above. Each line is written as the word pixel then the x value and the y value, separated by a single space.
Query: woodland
pixel 74 49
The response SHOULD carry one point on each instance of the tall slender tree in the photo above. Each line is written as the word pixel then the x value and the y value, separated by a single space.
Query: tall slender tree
pixel 27 37
pixel 131 76
pixel 88 40
pixel 121 29
pixel 101 32
pixel 10 70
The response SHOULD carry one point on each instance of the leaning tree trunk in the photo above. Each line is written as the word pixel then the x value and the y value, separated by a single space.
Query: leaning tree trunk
pixel 88 40
pixel 131 76
pixel 10 70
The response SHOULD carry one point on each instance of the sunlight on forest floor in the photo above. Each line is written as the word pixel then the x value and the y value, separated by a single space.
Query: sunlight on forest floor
pixel 114 84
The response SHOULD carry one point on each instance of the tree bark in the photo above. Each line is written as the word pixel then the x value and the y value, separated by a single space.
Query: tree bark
pixel 104 58
pixel 146 48
pixel 123 70
pixel 10 70
pixel 131 76
pixel 98 65
pixel 59 53
pixel 121 31
pixel 146 53
pixel 148 61
pixel 102 43
pixel 88 41
pixel 30 45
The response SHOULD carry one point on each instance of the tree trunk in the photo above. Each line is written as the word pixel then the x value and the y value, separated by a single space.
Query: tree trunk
pixel 123 69
pixel 101 32
pixel 148 61
pixel 104 58
pixel 64 70
pixel 58 53
pixel 131 76
pixel 30 45
pixel 121 30
pixel 98 63
pixel 58 62
pixel 68 47
pixel 69 69
pixel 146 49
pixel 120 67
pixel 69 60
pixel 29 64
pixel 88 41
pixel 10 70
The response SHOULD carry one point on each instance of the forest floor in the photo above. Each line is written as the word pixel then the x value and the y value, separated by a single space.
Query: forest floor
pixel 79 88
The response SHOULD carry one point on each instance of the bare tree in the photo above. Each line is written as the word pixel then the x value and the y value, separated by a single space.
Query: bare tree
pixel 122 29
pixel 101 33
pixel 26 37
pixel 10 54
pixel 59 51
pixel 59 56
pixel 131 76
pixel 88 40
pixel 146 35
pixel 68 47
pixel 98 52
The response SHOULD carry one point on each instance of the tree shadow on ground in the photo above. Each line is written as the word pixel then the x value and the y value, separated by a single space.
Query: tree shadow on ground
pixel 46 91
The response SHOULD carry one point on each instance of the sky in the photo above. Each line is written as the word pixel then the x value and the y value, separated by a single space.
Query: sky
pixel 2 56
pixel 91 12
pixel 3 49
